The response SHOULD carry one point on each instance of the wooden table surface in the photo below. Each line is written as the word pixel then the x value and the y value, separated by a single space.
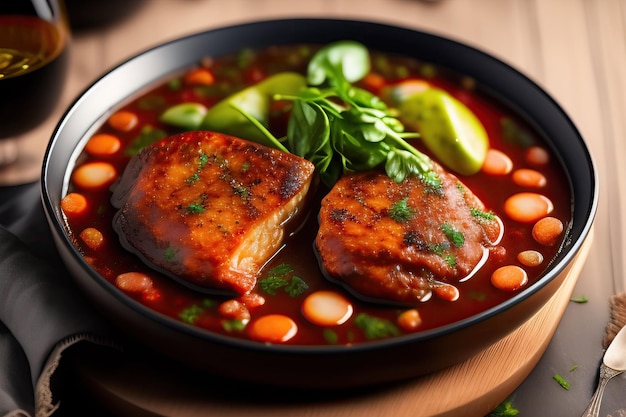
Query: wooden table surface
pixel 574 49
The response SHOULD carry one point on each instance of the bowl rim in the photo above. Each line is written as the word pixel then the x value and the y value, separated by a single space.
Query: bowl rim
pixel 54 216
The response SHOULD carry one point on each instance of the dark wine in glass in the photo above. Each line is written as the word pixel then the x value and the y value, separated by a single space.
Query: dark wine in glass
pixel 34 43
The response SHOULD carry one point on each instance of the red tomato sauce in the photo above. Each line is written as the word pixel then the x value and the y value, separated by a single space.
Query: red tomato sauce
pixel 506 131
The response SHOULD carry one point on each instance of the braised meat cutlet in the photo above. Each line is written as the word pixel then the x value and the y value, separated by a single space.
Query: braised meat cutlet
pixel 395 241
pixel 208 208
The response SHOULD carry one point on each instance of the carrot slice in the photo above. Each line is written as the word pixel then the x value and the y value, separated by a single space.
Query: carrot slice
pixel 530 178
pixel 536 155
pixel 272 328
pixel 92 237
pixel 547 230
pixel 133 282
pixel 509 278
pixel 409 319
pixel 123 120
pixel 527 207
pixel 530 258
pixel 103 144
pixel 447 292
pixel 326 308
pixel 94 175
pixel 497 163
pixel 74 204
pixel 374 81
pixel 200 76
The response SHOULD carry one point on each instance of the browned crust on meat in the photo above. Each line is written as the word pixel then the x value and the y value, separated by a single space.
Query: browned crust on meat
pixel 379 255
pixel 209 208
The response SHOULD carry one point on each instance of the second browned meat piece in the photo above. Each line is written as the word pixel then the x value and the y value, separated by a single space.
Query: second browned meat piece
pixel 208 208
pixel 395 241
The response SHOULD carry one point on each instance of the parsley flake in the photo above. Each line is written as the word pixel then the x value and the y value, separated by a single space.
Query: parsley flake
pixel 282 276
pixel 580 300
pixel 400 211
pixel 195 208
pixel 505 409
pixel 562 382
pixel 482 216
pixel 190 314
pixel 453 235
pixel 376 328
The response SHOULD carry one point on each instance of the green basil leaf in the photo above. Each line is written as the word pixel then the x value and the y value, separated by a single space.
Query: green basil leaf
pixel 342 60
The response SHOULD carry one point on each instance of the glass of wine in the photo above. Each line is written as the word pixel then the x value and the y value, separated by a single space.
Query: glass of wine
pixel 34 43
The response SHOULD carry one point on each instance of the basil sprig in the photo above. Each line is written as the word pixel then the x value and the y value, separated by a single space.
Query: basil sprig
pixel 343 128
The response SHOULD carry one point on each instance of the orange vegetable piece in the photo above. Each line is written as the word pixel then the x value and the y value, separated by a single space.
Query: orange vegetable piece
pixel 497 163
pixel 92 237
pixel 530 178
pixel 94 174
pixel 447 292
pixel 326 308
pixel 272 328
pixel 200 76
pixel 74 204
pixel 527 207
pixel 123 120
pixel 103 144
pixel 530 258
pixel 536 155
pixel 133 282
pixel 409 319
pixel 151 295
pixel 252 300
pixel 374 82
pixel 234 309
pixel 547 230
pixel 509 278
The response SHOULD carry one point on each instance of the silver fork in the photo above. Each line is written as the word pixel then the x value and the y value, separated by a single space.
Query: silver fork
pixel 613 363
pixel 606 373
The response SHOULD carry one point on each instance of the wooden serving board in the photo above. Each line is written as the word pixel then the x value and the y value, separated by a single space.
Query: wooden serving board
pixel 134 386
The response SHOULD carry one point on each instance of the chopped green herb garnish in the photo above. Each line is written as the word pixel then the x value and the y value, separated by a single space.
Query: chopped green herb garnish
pixel 562 382
pixel 296 286
pixel 453 235
pixel 245 58
pixel 192 179
pixel 450 259
pixel 170 253
pixel 190 314
pixel 376 328
pixel 581 300
pixel 240 190
pixel 195 208
pixel 148 136
pixel 174 84
pixel 439 248
pixel 505 409
pixel 514 134
pixel 281 276
pixel 203 159
pixel 272 283
pixel 573 368
pixel 480 215
pixel 400 211
pixel 330 336
pixel 233 325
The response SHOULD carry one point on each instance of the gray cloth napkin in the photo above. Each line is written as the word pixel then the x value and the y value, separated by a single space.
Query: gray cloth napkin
pixel 42 315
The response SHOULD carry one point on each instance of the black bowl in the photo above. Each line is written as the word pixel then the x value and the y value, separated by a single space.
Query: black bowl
pixel 319 366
